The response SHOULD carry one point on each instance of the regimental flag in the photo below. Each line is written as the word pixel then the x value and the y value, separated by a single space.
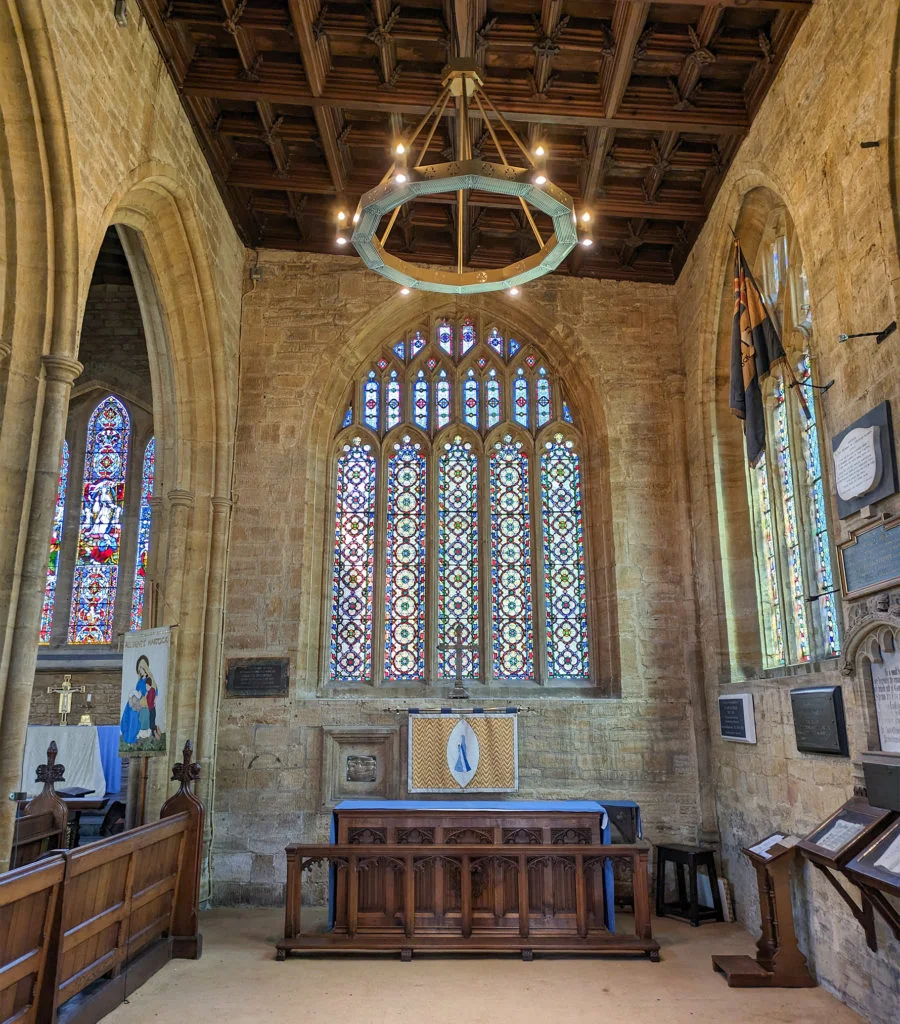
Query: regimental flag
pixel 755 349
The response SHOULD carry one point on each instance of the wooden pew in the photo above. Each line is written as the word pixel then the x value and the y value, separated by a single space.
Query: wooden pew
pixel 43 824
pixel 83 928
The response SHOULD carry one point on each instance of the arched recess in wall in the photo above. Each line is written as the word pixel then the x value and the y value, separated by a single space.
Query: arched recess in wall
pixel 192 411
pixel 379 332
pixel 874 639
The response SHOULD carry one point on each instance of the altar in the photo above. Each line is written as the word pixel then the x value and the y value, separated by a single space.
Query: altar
pixel 89 753
pixel 471 875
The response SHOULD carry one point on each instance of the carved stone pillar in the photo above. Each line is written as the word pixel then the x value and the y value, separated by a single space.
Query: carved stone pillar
pixel 17 673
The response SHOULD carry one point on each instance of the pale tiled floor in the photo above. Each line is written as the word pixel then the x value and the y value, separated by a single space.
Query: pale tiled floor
pixel 238 980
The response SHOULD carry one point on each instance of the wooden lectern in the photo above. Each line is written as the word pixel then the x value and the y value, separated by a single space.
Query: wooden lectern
pixel 779 962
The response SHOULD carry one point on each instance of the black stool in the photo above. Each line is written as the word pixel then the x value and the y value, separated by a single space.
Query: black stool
pixel 691 858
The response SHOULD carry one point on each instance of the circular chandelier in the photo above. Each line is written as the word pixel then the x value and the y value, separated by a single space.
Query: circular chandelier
pixel 408 178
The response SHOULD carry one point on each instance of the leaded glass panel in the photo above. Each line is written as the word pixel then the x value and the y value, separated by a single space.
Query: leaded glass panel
pixel 442 400
pixel 392 402
pixel 56 532
pixel 96 575
pixel 520 398
pixel 143 539
pixel 404 602
pixel 470 399
pixel 543 398
pixel 420 401
pixel 371 396
pixel 492 398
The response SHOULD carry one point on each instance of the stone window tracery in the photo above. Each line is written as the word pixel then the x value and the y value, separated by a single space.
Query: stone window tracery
pixel 463 514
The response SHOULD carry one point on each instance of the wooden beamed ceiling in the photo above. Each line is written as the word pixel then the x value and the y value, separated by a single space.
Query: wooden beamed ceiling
pixel 642 103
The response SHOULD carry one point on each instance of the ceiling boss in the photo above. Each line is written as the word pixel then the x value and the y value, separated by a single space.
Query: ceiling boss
pixel 521 173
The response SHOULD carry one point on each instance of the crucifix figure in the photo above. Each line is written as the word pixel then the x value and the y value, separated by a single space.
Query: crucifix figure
pixel 459 692
pixel 65 697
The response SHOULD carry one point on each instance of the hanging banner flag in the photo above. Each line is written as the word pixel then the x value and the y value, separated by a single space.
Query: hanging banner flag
pixel 475 752
pixel 145 676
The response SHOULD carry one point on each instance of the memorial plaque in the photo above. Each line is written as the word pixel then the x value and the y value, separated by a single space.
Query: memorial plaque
pixel 870 560
pixel 362 768
pixel 819 724
pixel 865 467
pixel 886 687
pixel 736 719
pixel 256 677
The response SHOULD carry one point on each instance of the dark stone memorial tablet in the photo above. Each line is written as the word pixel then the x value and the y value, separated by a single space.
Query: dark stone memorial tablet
pixel 736 721
pixel 256 677
pixel 819 724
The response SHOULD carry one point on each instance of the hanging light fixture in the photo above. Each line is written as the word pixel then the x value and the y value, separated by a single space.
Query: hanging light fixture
pixel 407 178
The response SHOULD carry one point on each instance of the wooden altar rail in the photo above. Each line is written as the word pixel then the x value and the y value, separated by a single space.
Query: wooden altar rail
pixel 81 929
pixel 407 937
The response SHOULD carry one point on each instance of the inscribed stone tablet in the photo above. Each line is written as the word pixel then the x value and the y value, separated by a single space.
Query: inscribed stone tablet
pixel 362 768
pixel 870 561
pixel 886 685
pixel 736 720
pixel 256 677
pixel 819 725
pixel 865 467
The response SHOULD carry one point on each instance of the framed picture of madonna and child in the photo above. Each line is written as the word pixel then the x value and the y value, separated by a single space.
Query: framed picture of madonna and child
pixel 145 673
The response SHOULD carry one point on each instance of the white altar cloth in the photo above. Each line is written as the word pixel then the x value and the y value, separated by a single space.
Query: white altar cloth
pixel 78 749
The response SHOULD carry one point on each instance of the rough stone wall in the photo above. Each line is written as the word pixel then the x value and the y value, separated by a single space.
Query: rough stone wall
pixel 805 147
pixel 308 327
pixel 113 349
pixel 105 688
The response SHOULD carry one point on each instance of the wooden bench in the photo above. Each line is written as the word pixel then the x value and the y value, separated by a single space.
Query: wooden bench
pixel 71 923
pixel 43 823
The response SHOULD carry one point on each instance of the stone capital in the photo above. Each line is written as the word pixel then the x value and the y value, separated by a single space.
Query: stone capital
pixel 180 499
pixel 155 502
pixel 61 369
pixel 220 505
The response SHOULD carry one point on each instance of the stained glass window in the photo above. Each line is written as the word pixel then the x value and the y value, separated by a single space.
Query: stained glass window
pixel 816 515
pixel 495 340
pixel 470 399
pixel 511 612
pixel 445 337
pixel 143 538
pixel 564 586
pixel 789 523
pixel 773 630
pixel 404 602
pixel 416 343
pixel 543 398
pixel 567 413
pixel 400 350
pixel 514 347
pixel 457 562
pixel 520 398
pixel 348 416
pixel 370 401
pixel 420 401
pixel 467 337
pixel 96 574
pixel 442 400
pixel 56 533
pixel 492 398
pixel 392 402
pixel 353 573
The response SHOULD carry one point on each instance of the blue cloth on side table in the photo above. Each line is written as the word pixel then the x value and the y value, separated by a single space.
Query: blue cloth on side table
pixel 108 736
pixel 488 805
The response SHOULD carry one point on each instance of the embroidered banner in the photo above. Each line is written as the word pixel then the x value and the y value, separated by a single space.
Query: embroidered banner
pixel 451 752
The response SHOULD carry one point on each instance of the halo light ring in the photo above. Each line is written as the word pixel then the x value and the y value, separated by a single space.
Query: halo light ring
pixel 465 175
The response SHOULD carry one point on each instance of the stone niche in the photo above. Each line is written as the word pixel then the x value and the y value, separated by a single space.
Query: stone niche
pixel 872 664
pixel 361 763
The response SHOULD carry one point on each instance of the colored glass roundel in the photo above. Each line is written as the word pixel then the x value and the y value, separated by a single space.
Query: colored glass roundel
pixel 96 574
pixel 353 573
pixel 404 602
pixel 457 567
pixel 511 612
pixel 564 587
pixel 59 515
pixel 143 544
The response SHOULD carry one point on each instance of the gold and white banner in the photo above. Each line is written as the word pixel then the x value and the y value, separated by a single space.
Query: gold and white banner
pixel 463 753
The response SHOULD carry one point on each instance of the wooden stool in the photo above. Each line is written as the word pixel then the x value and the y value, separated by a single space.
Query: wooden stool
pixel 687 909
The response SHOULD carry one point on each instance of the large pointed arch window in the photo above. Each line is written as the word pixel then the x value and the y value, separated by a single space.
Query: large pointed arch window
pixel 96 575
pixel 59 515
pixel 143 540
pixel 459 520
pixel 796 589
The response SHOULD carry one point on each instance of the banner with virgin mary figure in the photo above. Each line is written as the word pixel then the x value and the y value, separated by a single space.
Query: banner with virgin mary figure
pixel 145 674
pixel 474 752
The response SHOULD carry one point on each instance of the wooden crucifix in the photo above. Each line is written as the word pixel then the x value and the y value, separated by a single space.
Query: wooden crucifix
pixel 458 692
pixel 65 697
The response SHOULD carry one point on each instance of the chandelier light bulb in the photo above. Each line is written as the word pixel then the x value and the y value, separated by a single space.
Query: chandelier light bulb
pixel 587 242
pixel 400 178
pixel 540 179
pixel 341 240
pixel 404 291
pixel 585 217
pixel 513 291
pixel 540 151
pixel 400 149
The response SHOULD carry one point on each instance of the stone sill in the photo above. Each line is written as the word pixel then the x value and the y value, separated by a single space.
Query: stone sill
pixel 63 660
pixel 785 674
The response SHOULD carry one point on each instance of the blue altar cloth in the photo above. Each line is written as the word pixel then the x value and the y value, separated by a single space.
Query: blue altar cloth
pixel 108 736
pixel 492 805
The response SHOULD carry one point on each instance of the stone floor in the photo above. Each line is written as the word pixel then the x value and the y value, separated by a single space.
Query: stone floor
pixel 238 980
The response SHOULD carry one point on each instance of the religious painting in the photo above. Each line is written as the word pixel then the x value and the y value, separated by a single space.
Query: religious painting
pixel 145 673
pixel 455 753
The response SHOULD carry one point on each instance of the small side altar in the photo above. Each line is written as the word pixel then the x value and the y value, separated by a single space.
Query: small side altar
pixel 473 875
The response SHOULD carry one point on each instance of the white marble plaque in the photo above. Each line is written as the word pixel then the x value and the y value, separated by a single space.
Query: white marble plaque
pixel 886 685
pixel 857 463
pixel 840 833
